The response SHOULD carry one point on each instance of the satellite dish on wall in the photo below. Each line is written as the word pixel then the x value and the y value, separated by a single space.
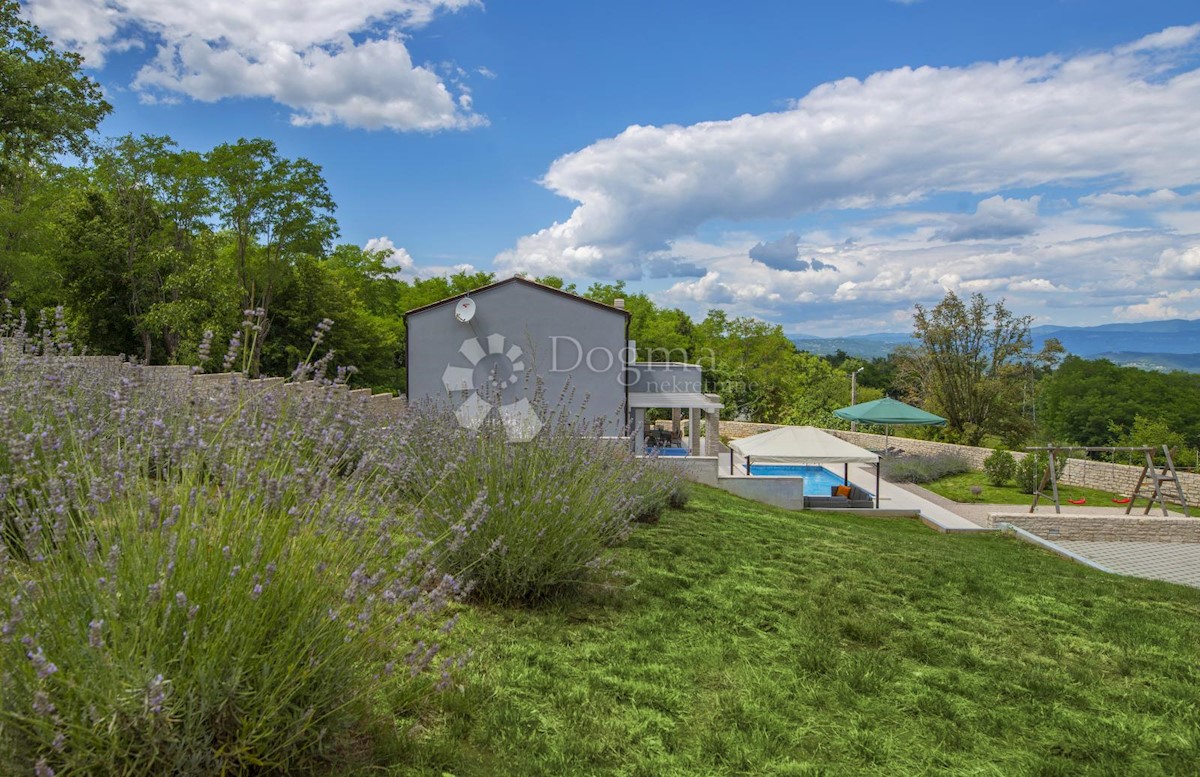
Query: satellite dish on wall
pixel 464 311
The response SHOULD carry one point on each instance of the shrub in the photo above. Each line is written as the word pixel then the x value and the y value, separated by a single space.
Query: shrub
pixel 1028 473
pixel 541 513
pixel 1031 468
pixel 201 587
pixel 999 467
pixel 922 469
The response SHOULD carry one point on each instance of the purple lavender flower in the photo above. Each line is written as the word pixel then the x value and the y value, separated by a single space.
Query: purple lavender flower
pixel 44 668
pixel 95 634
pixel 205 347
pixel 156 694
pixel 42 704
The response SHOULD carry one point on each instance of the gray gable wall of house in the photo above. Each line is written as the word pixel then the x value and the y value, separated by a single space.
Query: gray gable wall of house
pixel 569 344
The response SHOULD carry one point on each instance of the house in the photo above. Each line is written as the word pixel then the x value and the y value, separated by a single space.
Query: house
pixel 489 350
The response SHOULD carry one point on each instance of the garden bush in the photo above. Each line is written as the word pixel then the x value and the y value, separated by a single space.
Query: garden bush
pixel 1031 468
pixel 999 467
pixel 922 469
pixel 541 513
pixel 202 587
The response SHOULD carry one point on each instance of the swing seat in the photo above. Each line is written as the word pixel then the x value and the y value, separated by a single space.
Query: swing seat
pixel 1078 501
pixel 1122 500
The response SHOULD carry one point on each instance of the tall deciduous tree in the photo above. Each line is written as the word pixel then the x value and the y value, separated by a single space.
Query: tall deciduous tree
pixel 278 210
pixel 47 107
pixel 972 364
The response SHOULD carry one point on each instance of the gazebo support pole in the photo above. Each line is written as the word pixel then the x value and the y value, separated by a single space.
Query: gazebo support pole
pixel 845 473
pixel 731 461
pixel 748 472
pixel 876 484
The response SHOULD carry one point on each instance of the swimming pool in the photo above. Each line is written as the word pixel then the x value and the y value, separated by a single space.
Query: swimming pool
pixel 817 480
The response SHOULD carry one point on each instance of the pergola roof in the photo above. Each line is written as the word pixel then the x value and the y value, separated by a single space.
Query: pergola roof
pixel 800 445
pixel 694 400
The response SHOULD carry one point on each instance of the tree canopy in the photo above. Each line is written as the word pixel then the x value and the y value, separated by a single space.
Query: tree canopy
pixel 1095 402
pixel 973 364
pixel 47 105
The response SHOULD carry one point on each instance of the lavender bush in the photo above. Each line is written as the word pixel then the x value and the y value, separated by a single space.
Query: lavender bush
pixel 192 585
pixel 524 522
pixel 922 469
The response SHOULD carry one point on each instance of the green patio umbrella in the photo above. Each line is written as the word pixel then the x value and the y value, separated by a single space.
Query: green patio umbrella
pixel 889 412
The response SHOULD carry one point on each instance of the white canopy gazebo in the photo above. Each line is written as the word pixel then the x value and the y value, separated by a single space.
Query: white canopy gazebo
pixel 797 445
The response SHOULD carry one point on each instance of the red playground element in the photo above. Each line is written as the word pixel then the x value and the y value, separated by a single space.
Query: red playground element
pixel 1080 501
pixel 1122 500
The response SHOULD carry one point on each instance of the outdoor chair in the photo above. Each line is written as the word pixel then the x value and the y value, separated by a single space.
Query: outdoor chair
pixel 658 438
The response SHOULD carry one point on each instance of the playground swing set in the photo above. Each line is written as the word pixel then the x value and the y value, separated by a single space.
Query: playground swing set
pixel 1151 479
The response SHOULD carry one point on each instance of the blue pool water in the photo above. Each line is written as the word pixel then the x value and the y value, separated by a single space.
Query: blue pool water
pixel 671 451
pixel 817 480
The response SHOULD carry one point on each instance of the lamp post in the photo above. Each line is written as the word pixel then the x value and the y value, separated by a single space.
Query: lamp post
pixel 854 394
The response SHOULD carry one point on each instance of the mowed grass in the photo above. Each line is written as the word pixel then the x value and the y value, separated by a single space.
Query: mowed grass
pixel 958 488
pixel 759 641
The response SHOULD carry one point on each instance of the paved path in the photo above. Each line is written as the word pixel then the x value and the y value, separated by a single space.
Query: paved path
pixel 1175 562
pixel 897 496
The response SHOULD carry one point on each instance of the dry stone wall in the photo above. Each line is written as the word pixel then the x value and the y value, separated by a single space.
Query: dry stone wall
pixel 1102 528
pixel 380 409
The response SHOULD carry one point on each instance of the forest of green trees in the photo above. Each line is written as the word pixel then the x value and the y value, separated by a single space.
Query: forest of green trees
pixel 146 246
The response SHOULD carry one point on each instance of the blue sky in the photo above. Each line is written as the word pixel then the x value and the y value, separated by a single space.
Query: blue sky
pixel 1044 152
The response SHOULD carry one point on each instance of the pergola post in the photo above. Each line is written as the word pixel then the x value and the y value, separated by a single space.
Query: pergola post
pixel 712 432
pixel 693 431
pixel 639 430
pixel 676 422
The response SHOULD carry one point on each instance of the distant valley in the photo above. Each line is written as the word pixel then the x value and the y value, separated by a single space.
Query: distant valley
pixel 1152 345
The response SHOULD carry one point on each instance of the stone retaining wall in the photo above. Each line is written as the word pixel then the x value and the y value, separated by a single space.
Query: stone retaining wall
pixel 177 380
pixel 698 469
pixel 1102 528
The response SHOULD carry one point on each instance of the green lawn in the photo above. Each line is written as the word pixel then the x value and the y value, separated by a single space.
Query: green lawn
pixel 759 641
pixel 958 488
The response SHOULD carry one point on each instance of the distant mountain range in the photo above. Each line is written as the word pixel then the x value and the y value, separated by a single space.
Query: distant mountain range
pixel 1150 345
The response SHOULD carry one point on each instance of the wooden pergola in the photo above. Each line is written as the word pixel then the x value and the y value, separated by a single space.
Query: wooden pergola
pixel 1150 476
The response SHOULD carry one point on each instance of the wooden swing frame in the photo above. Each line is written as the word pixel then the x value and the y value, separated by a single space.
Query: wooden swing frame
pixel 1149 469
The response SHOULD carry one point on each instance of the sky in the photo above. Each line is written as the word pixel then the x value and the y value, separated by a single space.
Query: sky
pixel 821 165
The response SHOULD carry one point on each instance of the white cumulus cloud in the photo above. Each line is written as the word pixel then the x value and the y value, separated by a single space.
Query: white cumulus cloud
pixel 994 218
pixel 397 258
pixel 1184 303
pixel 1128 117
pixel 331 61
pixel 1182 264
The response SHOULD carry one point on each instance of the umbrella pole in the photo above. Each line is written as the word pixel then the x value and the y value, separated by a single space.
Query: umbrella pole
pixel 876 484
